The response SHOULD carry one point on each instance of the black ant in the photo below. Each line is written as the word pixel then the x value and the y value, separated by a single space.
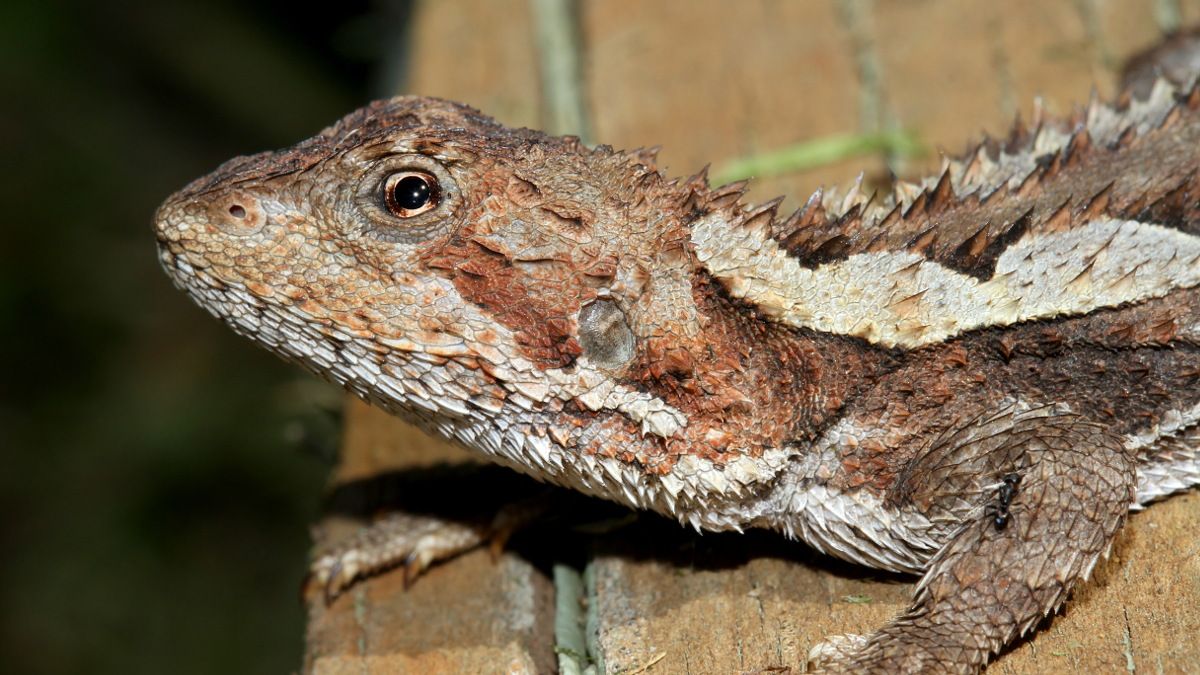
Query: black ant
pixel 1004 496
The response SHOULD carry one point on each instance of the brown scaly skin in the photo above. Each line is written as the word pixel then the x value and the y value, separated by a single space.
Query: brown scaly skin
pixel 974 379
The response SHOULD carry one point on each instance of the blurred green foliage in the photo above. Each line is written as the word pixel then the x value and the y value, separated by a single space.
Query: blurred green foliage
pixel 158 472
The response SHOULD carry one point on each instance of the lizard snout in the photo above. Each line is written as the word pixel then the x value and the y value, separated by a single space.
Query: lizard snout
pixel 236 214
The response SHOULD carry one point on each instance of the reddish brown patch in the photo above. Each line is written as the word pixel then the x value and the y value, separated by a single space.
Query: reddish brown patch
pixel 747 384
pixel 490 281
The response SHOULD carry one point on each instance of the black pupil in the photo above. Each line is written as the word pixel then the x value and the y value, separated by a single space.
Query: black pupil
pixel 411 192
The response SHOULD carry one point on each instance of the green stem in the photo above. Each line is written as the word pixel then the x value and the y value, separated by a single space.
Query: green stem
pixel 819 152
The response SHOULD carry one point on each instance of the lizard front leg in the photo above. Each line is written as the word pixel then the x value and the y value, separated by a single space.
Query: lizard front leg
pixel 996 578
pixel 414 542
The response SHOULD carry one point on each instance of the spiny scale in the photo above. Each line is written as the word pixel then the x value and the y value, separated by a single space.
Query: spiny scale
pixel 1050 190
pixel 1078 159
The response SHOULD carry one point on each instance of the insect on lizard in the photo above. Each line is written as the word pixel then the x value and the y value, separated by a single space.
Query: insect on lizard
pixel 973 379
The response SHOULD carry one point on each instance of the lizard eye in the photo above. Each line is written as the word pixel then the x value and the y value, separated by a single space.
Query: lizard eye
pixel 411 193
pixel 406 199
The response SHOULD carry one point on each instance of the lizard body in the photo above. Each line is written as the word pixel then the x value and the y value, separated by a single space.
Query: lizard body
pixel 974 378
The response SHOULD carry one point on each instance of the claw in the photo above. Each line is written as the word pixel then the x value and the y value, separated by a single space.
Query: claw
pixel 306 586
pixel 498 541
pixel 412 569
pixel 332 587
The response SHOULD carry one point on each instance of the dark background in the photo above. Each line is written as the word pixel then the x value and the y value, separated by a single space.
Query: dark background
pixel 158 472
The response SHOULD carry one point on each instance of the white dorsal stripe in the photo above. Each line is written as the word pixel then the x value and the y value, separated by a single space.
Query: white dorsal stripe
pixel 901 299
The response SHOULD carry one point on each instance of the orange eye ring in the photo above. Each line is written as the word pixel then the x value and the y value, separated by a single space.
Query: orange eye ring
pixel 410 193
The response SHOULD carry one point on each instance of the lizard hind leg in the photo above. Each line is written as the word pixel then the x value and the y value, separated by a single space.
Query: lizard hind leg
pixel 992 582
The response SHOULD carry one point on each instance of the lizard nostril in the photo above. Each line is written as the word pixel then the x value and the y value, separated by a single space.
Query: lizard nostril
pixel 238 215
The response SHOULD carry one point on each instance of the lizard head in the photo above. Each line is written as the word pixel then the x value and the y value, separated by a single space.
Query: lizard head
pixel 521 293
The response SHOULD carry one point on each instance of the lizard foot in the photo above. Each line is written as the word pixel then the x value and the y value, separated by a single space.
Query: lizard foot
pixel 397 540
pixel 413 543
pixel 825 656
